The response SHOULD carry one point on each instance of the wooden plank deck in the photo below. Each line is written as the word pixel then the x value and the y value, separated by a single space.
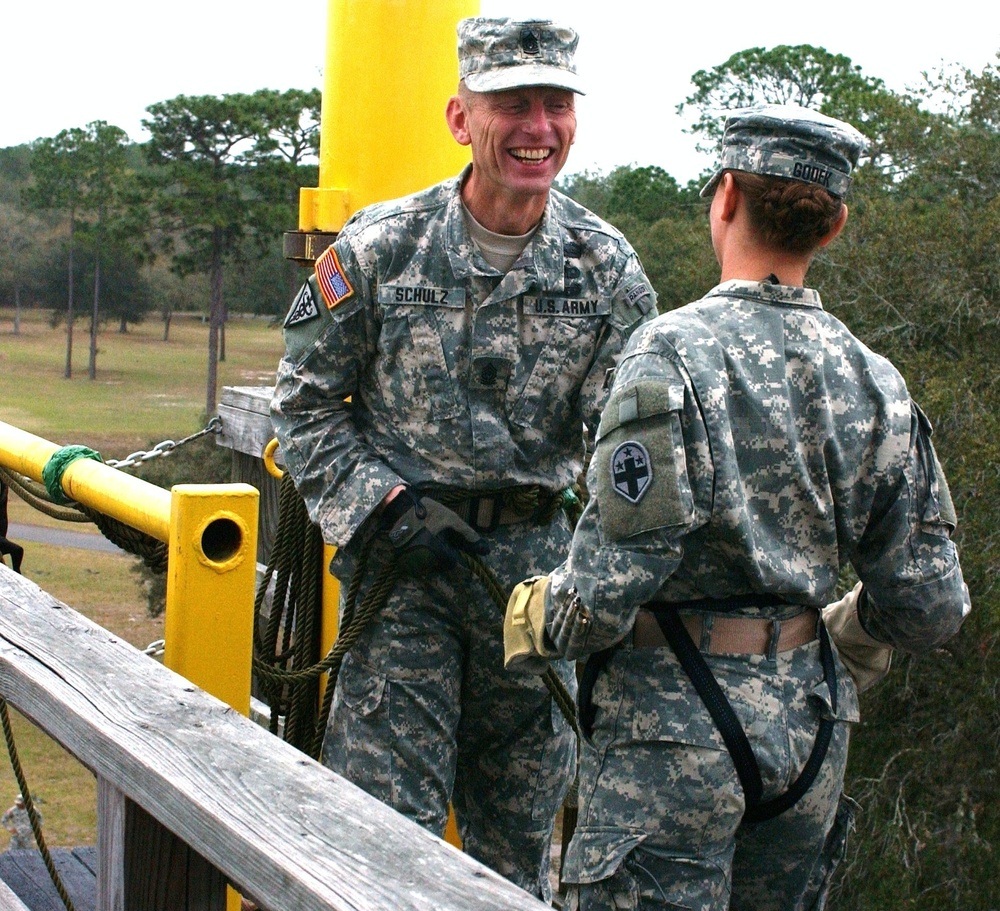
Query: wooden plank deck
pixel 24 874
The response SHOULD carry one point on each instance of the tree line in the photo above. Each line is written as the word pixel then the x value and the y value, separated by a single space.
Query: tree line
pixel 88 219
pixel 915 275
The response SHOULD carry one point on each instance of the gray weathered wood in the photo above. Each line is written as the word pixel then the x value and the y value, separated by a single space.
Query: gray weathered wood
pixel 110 847
pixel 9 901
pixel 246 430
pixel 286 831
pixel 246 419
pixel 24 874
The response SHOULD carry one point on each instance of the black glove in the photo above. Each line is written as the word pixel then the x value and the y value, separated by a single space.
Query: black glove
pixel 427 535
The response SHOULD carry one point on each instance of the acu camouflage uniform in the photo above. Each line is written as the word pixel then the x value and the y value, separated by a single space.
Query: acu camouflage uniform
pixel 751 446
pixel 463 379
pixel 17 822
pixel 777 448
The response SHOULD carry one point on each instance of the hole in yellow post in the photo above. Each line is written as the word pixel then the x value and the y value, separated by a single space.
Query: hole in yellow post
pixel 221 540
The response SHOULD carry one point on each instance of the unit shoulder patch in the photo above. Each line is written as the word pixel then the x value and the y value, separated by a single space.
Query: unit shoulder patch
pixel 631 470
pixel 333 283
pixel 303 308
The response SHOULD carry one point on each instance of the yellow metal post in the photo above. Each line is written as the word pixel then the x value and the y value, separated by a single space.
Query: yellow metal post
pixel 208 626
pixel 212 573
pixel 391 67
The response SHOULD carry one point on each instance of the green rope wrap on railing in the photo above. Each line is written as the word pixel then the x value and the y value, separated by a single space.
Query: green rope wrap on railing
pixel 57 464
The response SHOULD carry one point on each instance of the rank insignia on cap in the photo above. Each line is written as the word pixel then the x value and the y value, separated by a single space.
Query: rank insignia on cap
pixel 303 307
pixel 333 284
pixel 631 470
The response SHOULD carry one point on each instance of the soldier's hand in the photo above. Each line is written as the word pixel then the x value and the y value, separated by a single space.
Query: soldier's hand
pixel 427 535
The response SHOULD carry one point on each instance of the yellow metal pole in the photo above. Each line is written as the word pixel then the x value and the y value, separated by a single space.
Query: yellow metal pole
pixel 137 503
pixel 212 573
pixel 391 67
pixel 212 570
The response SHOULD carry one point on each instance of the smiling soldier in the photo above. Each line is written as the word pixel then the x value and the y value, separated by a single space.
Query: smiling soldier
pixel 471 326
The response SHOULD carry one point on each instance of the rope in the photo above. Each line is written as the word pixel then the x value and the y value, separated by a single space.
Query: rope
pixel 288 671
pixel 29 805
pixel 557 689
pixel 55 467
pixel 35 494
pixel 150 550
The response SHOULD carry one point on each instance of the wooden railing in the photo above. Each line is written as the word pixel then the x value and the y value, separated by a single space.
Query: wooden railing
pixel 192 795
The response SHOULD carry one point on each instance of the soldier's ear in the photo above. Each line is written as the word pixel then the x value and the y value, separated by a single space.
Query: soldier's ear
pixel 458 120
pixel 837 228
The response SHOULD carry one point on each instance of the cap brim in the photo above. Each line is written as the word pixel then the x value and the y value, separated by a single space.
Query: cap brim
pixel 709 188
pixel 523 76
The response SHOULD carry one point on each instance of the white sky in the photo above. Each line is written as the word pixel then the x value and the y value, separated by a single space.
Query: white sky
pixel 65 63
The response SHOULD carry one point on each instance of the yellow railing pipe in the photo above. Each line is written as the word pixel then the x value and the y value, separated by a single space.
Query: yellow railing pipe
pixel 137 503
pixel 211 536
pixel 391 66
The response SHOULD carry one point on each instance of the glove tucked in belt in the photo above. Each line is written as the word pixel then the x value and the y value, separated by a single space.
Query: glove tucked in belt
pixel 866 658
pixel 428 537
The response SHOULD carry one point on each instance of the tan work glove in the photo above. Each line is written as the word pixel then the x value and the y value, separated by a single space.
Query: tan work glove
pixel 524 628
pixel 866 658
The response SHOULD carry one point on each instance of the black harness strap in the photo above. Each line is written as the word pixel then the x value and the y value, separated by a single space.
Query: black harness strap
pixel 729 725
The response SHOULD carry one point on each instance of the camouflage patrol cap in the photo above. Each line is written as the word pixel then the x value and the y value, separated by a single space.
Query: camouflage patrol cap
pixel 790 141
pixel 498 54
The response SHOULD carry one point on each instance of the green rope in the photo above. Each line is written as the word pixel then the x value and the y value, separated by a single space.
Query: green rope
pixel 57 464
pixel 288 671
pixel 29 805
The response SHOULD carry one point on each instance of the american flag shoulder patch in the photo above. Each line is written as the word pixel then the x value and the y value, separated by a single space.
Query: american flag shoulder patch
pixel 333 284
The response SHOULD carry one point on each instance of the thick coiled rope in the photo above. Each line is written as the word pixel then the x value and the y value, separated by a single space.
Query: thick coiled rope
pixel 286 674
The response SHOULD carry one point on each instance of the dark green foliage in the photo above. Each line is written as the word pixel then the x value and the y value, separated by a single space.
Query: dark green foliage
pixel 126 297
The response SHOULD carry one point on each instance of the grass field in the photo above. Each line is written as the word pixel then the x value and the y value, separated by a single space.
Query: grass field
pixel 146 390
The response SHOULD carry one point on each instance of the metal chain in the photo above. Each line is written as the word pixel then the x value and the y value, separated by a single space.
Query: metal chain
pixel 165 448
pixel 155 648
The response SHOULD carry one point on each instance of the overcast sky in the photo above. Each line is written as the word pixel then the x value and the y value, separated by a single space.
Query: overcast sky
pixel 65 63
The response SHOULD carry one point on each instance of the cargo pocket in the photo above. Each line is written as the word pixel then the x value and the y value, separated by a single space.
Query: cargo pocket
pixel 596 853
pixel 359 723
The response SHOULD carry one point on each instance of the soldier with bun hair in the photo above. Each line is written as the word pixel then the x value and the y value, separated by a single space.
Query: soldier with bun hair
pixel 751 448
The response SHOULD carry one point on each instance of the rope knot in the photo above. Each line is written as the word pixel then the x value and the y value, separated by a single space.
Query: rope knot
pixel 57 464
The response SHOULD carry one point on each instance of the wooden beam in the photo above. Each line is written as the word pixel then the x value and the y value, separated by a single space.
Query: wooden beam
pixel 284 830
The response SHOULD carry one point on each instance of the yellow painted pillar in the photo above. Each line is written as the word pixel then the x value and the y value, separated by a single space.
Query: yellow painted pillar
pixel 211 578
pixel 391 67
pixel 211 575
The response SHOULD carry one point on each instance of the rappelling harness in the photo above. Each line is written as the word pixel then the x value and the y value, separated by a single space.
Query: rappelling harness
pixel 670 618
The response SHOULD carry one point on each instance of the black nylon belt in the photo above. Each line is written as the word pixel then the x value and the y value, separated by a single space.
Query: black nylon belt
pixel 729 725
